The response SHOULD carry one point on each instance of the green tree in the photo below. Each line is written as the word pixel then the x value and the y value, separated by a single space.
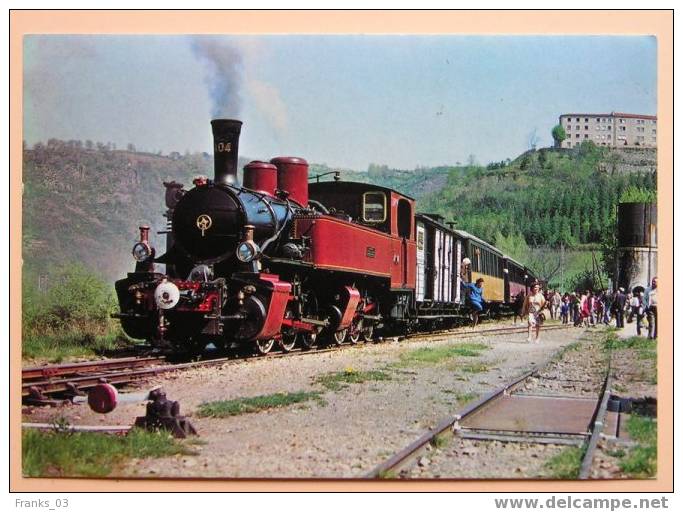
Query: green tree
pixel 583 281
pixel 558 134
pixel 634 194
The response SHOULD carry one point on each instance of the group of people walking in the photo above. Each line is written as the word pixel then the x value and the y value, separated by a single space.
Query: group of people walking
pixel 582 309
pixel 588 309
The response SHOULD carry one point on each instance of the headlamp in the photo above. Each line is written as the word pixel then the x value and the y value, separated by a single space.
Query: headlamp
pixel 247 251
pixel 141 251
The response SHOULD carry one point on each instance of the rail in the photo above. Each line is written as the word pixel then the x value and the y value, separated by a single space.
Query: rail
pixel 73 378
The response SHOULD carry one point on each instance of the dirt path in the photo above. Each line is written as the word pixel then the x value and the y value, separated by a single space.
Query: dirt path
pixel 348 431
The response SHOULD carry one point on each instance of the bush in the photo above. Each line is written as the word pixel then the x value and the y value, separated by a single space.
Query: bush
pixel 76 299
pixel 71 317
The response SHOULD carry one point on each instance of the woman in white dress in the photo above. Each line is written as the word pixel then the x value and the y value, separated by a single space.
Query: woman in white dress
pixel 533 310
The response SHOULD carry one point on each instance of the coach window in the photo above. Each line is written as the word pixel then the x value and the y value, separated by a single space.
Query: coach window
pixel 374 207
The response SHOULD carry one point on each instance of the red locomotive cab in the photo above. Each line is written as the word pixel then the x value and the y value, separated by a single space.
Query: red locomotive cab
pixel 378 241
pixel 292 177
pixel 261 177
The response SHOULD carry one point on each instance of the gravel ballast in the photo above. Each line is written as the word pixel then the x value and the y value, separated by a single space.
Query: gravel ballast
pixel 349 429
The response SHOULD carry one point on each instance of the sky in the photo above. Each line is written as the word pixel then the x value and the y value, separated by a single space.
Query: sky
pixel 345 101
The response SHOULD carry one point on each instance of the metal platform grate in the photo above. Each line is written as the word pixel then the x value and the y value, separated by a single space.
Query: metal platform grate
pixel 538 414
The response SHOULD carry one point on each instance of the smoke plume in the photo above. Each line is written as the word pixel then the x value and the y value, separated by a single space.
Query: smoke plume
pixel 224 76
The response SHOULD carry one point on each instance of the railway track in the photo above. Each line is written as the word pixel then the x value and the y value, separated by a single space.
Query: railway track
pixel 402 458
pixel 39 383
pixel 469 333
pixel 466 425
pixel 36 373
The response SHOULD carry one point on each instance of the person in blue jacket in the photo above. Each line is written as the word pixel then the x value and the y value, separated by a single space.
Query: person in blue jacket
pixel 476 296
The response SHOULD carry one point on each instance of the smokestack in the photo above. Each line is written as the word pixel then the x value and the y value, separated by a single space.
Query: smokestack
pixel 226 140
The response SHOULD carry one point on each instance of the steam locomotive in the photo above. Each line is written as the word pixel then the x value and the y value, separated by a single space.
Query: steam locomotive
pixel 281 261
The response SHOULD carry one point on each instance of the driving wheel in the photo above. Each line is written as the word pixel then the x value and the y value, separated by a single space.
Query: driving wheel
pixel 308 339
pixel 287 341
pixel 367 332
pixel 339 337
pixel 354 332
pixel 264 346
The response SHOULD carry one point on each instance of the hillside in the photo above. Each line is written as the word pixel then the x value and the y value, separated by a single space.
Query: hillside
pixel 549 197
pixel 84 203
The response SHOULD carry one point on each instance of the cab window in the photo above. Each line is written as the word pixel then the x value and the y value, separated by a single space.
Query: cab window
pixel 374 207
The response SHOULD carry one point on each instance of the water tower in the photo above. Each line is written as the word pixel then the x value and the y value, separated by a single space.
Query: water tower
pixel 636 244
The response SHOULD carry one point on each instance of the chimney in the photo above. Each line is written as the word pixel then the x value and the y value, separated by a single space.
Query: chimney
pixel 226 139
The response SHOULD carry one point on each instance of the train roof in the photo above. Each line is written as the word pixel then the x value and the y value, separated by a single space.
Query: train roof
pixel 330 186
pixel 437 219
pixel 434 218
pixel 521 265
pixel 465 234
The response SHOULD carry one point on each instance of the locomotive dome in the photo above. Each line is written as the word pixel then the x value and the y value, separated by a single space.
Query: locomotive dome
pixel 207 223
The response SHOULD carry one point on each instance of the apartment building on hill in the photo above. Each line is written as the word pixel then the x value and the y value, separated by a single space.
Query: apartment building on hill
pixel 616 129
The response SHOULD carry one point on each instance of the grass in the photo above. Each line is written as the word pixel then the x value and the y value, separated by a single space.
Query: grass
pixel 645 350
pixel 90 454
pixel 619 388
pixel 641 459
pixel 440 440
pixel 639 343
pixel 618 453
pixel 464 398
pixel 569 348
pixel 436 355
pixel 387 474
pixel 474 368
pixel 641 462
pixel 237 406
pixel 55 348
pixel 339 380
pixel 566 465
pixel 612 342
